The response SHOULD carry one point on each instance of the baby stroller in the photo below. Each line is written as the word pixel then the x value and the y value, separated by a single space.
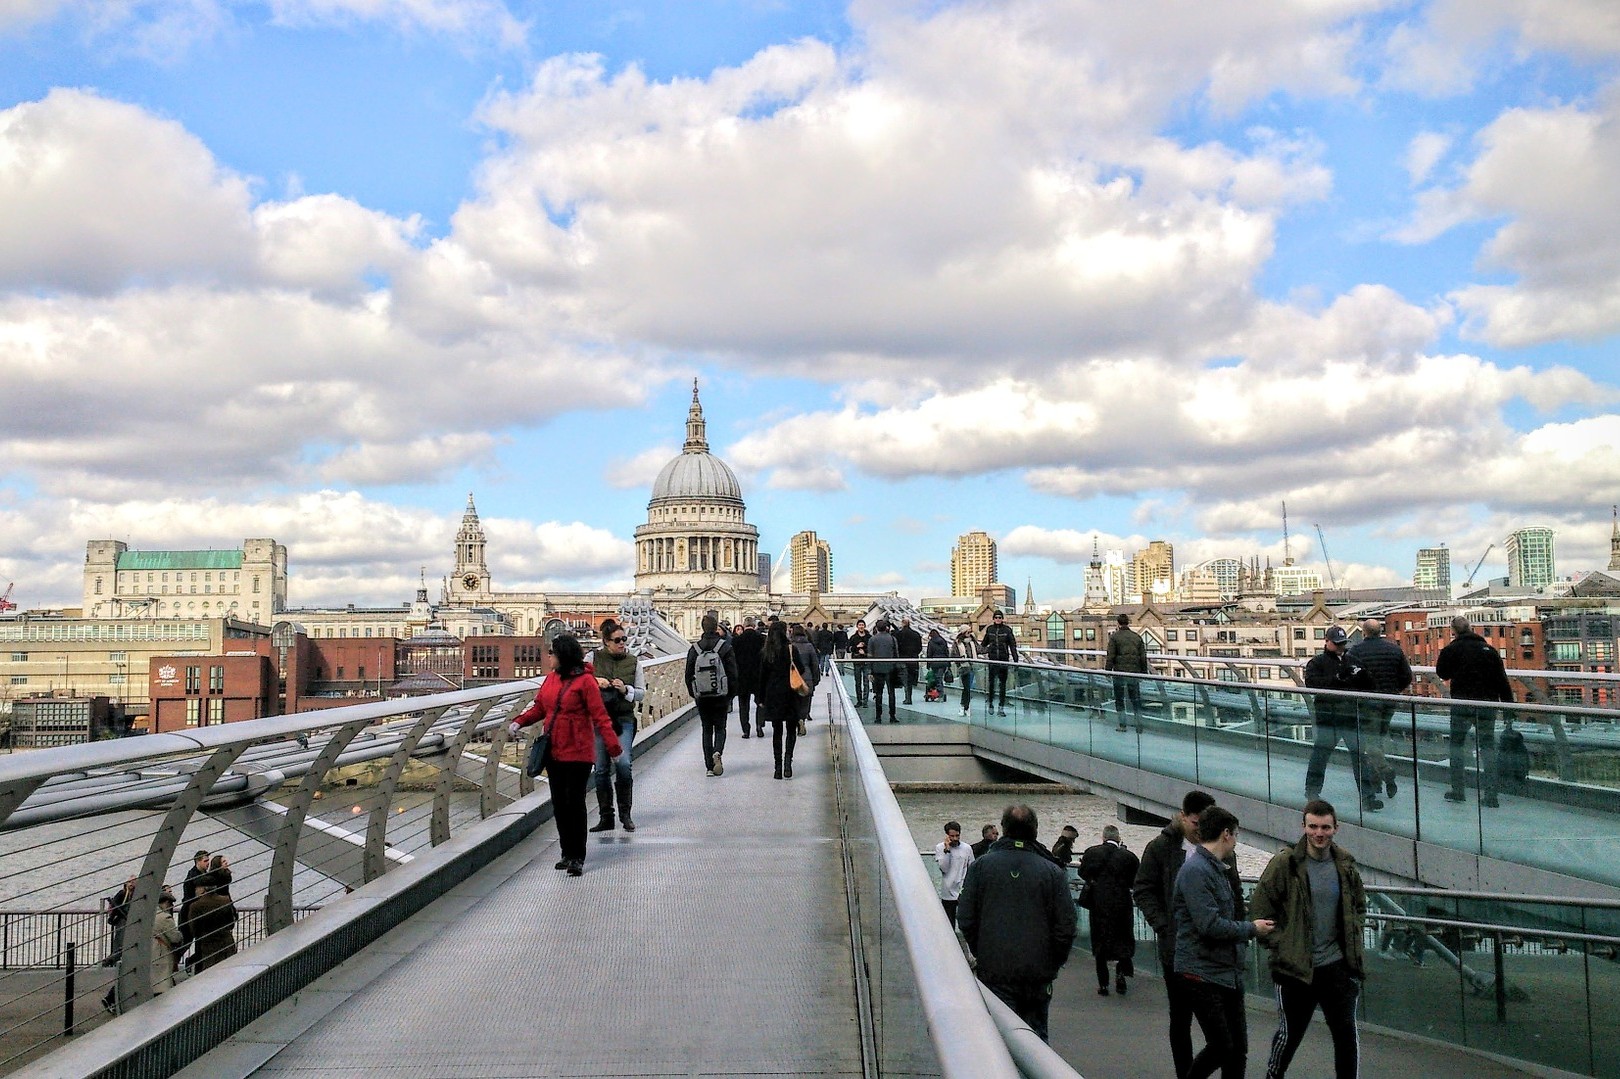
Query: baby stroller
pixel 933 690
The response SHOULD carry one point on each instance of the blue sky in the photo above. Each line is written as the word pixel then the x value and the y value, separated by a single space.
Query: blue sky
pixel 314 269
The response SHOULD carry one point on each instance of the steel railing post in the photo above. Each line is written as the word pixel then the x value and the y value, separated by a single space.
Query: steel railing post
pixel 376 855
pixel 278 912
pixel 439 826
pixel 68 989
pixel 135 962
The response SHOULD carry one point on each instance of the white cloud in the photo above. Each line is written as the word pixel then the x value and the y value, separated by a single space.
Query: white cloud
pixel 1423 153
pixel 98 193
pixel 641 470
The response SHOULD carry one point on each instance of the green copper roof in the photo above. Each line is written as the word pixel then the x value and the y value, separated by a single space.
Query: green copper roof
pixel 149 560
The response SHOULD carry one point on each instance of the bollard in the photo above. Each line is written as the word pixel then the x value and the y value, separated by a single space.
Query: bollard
pixel 67 990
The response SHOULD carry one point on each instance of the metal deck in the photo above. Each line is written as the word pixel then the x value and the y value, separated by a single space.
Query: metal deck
pixel 713 941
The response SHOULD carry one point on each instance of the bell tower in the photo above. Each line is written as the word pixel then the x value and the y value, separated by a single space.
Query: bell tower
pixel 471 577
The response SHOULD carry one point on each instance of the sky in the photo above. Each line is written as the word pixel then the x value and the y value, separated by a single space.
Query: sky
pixel 1067 271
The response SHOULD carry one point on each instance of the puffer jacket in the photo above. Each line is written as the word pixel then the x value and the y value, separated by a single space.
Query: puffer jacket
pixel 579 719
pixel 1284 895
pixel 1383 659
pixel 1474 669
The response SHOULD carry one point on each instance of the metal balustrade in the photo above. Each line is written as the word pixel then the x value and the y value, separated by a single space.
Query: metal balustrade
pixel 306 808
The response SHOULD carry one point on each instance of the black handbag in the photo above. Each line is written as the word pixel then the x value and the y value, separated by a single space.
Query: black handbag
pixel 540 748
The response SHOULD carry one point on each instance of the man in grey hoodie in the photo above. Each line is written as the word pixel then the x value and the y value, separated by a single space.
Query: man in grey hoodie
pixel 1210 945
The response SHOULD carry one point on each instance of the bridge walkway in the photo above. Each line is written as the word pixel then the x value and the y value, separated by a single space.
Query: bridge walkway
pixel 713 940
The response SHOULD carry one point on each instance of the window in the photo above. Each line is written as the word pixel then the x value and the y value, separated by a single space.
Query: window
pixel 19 679
pixel 208 576
pixel 118 657
pixel 1320 632
pixel 19 657
pixel 255 583
pixel 216 679
pixel 1299 633
pixel 360 672
pixel 339 675
pixel 98 586
pixel 193 679
pixel 1172 635
pixel 1564 651
pixel 216 710
pixel 1192 634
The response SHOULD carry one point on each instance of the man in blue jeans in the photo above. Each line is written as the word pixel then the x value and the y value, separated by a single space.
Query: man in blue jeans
pixel 1211 941
pixel 1314 893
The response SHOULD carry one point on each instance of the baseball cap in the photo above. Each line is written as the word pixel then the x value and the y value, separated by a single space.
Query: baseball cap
pixel 1337 635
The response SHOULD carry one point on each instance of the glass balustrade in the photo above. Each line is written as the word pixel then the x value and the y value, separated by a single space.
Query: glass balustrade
pixel 1257 741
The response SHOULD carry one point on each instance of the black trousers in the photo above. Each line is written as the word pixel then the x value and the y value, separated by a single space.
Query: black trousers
pixel 1030 1001
pixel 950 910
pixel 784 752
pixel 884 681
pixel 1181 1015
pixel 998 677
pixel 712 714
pixel 1483 720
pixel 1335 991
pixel 745 704
pixel 568 781
pixel 1220 1015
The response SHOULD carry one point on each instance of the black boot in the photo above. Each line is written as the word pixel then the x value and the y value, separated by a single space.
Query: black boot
pixel 604 807
pixel 626 787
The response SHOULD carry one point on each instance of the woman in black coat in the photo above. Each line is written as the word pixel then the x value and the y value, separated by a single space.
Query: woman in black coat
pixel 777 699
pixel 1111 870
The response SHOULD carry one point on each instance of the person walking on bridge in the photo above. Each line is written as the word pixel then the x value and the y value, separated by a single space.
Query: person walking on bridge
pixel 908 645
pixel 1212 937
pixel 966 652
pixel 1018 919
pixel 746 646
pixel 618 677
pixel 881 651
pixel 1314 893
pixel 1337 718
pixel 953 857
pixel 1476 673
pixel 1391 674
pixel 711 679
pixel 1155 894
pixel 1110 871
pixel 778 701
pixel 858 640
pixel 570 705
pixel 1000 647
pixel 1127 652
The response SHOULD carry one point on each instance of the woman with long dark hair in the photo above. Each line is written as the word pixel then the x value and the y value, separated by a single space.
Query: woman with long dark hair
pixel 570 704
pixel 778 699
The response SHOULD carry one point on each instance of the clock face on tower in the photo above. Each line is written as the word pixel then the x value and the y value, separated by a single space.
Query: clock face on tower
pixel 470 582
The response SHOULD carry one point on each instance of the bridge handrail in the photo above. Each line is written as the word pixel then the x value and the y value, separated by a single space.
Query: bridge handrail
pixel 964 1035
pixel 1521 673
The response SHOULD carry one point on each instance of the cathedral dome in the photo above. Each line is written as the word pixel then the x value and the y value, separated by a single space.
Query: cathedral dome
pixel 696 475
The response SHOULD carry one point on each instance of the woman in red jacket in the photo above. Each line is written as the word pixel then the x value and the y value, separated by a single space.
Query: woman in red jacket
pixel 574 715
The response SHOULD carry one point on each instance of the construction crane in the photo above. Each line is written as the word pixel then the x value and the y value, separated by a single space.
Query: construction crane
pixel 1332 581
pixel 1288 553
pixel 5 599
pixel 1470 582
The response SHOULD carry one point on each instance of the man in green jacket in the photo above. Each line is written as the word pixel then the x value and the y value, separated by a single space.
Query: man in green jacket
pixel 1313 892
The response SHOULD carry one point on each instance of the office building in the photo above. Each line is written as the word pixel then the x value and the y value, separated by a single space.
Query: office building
pixel 1155 567
pixel 1433 572
pixel 973 564
pixel 812 563
pixel 1530 558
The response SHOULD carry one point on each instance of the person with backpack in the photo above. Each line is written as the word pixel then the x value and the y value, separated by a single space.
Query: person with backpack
pixel 711 675
pixel 1475 670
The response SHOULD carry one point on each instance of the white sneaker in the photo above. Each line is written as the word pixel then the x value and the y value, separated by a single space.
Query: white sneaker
pixel 964 711
pixel 719 769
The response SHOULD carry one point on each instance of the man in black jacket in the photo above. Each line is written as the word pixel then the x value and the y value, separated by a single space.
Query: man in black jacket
pixel 1127 652
pixel 1337 718
pixel 1154 891
pixel 1000 647
pixel 857 651
pixel 1386 665
pixel 747 647
pixel 910 645
pixel 1018 919
pixel 1476 673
